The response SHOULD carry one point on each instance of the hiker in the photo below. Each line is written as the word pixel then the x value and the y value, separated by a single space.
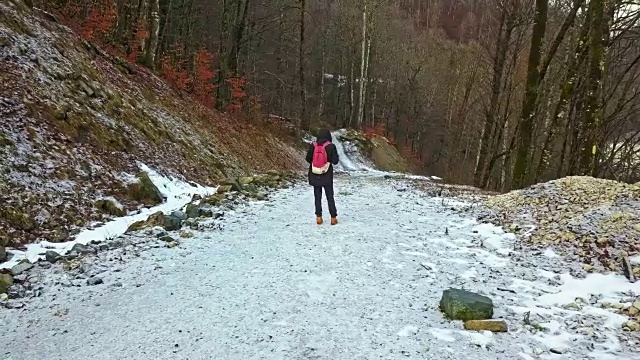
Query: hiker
pixel 322 156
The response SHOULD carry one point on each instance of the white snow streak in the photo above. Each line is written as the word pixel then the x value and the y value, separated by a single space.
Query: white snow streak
pixel 177 192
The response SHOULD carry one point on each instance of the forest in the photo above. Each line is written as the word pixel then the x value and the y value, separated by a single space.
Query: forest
pixel 499 94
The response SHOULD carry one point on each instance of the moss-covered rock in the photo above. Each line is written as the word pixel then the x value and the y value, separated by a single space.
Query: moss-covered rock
pixel 464 305
pixel 359 139
pixel 206 213
pixel 382 153
pixel 5 141
pixel 213 200
pixel 235 184
pixel 251 188
pixel 17 219
pixel 167 222
pixel 246 180
pixel 6 281
pixel 144 191
pixel 192 211
pixel 223 189
pixel 109 206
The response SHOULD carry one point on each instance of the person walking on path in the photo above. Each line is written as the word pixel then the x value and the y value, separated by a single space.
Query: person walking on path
pixel 322 156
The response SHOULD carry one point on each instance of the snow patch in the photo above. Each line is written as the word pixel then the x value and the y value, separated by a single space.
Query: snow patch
pixel 177 192
pixel 408 331
pixel 113 200
pixel 608 285
pixel 350 157
pixel 442 334
pixel 550 253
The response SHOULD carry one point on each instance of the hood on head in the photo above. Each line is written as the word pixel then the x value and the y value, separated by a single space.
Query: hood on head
pixel 324 135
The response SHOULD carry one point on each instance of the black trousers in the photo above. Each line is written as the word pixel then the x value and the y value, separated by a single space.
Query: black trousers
pixel 317 192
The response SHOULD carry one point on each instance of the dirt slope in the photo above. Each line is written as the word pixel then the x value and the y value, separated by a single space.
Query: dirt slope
pixel 76 121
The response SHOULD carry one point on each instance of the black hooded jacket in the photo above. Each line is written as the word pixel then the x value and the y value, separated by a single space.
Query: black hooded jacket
pixel 325 179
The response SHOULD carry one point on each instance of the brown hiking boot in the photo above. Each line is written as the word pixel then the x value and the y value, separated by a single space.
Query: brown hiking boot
pixel 319 220
pixel 334 221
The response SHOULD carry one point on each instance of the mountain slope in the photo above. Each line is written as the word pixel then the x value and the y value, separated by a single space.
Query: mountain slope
pixel 76 122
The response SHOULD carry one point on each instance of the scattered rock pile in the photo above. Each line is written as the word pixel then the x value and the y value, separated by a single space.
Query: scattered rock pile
pixel 199 214
pixel 592 220
pixel 232 191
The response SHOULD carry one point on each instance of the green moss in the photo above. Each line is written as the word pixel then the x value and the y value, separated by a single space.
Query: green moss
pixel 5 283
pixel 192 211
pixel 114 104
pixel 5 141
pixel 386 157
pixel 17 25
pixel 213 200
pixel 144 191
pixel 463 305
pixel 17 219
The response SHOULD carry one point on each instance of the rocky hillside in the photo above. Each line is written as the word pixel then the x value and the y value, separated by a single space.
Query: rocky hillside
pixel 377 149
pixel 77 123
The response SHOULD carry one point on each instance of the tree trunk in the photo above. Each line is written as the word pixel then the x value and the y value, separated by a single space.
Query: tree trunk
pixel 351 94
pixel 525 134
pixel 322 72
pixel 154 33
pixel 502 47
pixel 282 64
pixel 363 69
pixel 593 107
pixel 305 121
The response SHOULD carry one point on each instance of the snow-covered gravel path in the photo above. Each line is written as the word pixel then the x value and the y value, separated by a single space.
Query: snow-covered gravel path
pixel 273 285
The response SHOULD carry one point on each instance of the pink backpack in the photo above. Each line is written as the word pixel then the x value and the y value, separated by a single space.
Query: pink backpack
pixel 320 163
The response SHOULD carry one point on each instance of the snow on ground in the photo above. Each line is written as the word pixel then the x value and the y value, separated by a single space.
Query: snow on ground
pixel 273 285
pixel 177 192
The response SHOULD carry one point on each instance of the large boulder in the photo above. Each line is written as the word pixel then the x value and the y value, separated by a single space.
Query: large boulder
pixel 464 305
pixel 21 267
pixel 52 256
pixel 3 253
pixel 168 222
pixel 223 189
pixel 246 180
pixel 213 200
pixel 144 191
pixel 192 211
pixel 235 184
pixel 172 222
pixel 82 249
pixel 6 281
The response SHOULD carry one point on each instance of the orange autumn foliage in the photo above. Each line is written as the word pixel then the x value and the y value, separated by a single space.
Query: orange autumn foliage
pixel 203 87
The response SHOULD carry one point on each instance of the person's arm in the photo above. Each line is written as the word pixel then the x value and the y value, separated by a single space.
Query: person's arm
pixel 334 159
pixel 310 154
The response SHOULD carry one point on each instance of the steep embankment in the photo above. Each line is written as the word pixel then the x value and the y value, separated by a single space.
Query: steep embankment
pixel 76 123
pixel 368 152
